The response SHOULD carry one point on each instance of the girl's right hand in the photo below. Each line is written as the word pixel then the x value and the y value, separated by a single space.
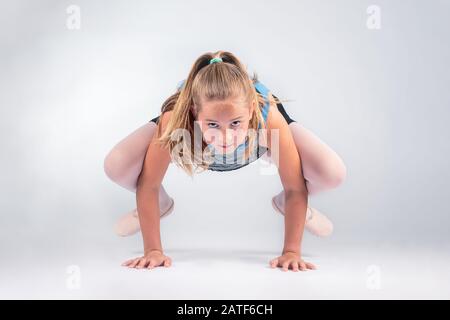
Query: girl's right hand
pixel 153 258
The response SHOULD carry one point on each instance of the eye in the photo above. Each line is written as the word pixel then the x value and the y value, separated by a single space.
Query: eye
pixel 235 123
pixel 211 125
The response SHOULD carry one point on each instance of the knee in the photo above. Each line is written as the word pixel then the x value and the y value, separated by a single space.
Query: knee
pixel 336 174
pixel 112 164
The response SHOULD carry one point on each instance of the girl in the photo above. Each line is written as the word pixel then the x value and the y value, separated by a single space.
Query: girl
pixel 219 119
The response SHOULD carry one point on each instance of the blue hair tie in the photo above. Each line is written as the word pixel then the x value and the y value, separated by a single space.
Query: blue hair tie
pixel 215 60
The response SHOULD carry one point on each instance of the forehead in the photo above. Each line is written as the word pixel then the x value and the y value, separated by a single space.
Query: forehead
pixel 223 109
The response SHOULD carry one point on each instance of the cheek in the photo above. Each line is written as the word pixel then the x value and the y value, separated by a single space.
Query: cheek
pixel 242 132
pixel 211 135
pixel 240 135
pixel 207 134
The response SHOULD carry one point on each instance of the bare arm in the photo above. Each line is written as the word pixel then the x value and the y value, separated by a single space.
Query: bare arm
pixel 286 156
pixel 157 160
pixel 289 166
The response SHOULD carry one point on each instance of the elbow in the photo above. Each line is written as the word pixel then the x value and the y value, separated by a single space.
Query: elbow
pixel 143 183
pixel 295 193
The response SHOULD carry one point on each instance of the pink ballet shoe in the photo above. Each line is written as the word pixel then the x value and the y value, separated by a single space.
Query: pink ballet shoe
pixel 316 222
pixel 128 224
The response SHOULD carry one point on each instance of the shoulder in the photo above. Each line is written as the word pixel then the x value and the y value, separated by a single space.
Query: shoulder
pixel 166 115
pixel 275 120
pixel 271 114
pixel 157 157
pixel 164 120
pixel 283 149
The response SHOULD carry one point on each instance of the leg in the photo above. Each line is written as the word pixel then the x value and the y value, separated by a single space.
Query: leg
pixel 124 162
pixel 322 167
pixel 123 165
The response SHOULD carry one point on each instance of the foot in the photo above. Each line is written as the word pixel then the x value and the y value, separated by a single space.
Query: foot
pixel 128 224
pixel 316 222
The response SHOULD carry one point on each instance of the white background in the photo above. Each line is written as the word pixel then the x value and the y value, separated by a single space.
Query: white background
pixel 379 98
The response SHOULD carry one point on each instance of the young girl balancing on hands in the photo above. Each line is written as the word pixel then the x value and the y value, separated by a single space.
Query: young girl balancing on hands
pixel 221 119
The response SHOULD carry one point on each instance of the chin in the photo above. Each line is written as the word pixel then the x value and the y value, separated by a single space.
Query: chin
pixel 221 149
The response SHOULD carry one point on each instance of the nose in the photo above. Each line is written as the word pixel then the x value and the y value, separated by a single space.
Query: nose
pixel 228 137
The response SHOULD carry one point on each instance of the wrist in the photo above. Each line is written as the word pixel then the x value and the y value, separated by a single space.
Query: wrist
pixel 294 251
pixel 148 251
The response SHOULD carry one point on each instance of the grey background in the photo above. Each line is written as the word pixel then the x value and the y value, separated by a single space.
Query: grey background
pixel 379 98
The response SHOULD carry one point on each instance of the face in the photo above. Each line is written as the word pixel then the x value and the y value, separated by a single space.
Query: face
pixel 224 124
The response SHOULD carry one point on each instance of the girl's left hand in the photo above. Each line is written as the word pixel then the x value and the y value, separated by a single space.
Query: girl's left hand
pixel 291 260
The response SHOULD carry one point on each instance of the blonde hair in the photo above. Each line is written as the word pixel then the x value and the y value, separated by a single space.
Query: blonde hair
pixel 217 81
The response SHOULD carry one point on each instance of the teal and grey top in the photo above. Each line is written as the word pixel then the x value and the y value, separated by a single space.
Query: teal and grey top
pixel 235 160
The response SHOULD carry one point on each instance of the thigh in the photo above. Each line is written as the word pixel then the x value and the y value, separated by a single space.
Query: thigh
pixel 133 147
pixel 319 161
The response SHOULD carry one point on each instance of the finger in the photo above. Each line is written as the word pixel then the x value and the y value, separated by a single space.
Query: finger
pixel 167 262
pixel 302 266
pixel 159 262
pixel 134 263
pixel 142 263
pixel 311 266
pixel 152 264
pixel 274 263
pixel 285 265
pixel 126 263
pixel 295 266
